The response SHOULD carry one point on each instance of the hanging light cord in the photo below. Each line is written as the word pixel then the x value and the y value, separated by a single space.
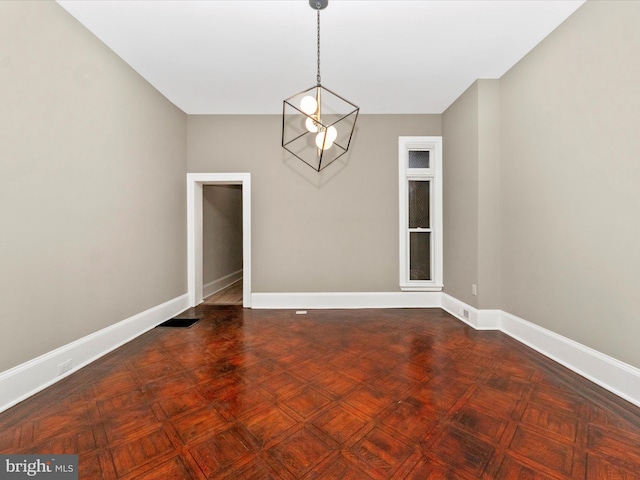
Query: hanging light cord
pixel 318 10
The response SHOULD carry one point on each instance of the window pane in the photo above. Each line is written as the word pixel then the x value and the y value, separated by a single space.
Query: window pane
pixel 418 158
pixel 419 193
pixel 419 256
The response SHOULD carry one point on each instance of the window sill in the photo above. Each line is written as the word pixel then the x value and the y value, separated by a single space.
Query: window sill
pixel 422 288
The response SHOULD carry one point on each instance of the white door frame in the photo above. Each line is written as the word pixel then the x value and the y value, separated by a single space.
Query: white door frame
pixel 195 182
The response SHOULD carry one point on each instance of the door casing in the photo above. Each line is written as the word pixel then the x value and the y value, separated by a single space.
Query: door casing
pixel 195 182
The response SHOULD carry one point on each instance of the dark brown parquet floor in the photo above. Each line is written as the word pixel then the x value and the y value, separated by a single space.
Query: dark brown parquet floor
pixel 334 394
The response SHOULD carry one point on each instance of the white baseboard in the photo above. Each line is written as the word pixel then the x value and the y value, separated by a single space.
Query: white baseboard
pixel 323 300
pixel 478 319
pixel 613 375
pixel 618 377
pixel 22 381
pixel 221 283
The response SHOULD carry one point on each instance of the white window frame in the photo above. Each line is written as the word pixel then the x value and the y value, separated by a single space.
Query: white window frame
pixel 434 175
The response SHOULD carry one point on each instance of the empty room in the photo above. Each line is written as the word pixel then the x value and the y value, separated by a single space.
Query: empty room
pixel 325 239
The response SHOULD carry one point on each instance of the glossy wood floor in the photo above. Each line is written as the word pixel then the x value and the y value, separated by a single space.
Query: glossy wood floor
pixel 351 394
pixel 231 295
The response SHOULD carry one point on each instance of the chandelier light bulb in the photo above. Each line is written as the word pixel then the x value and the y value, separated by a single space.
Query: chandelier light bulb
pixel 324 139
pixel 308 105
pixel 311 125
pixel 332 134
pixel 320 141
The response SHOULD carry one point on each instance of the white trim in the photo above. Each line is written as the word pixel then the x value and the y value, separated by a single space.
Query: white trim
pixel 478 319
pixel 347 300
pixel 489 319
pixel 221 283
pixel 618 377
pixel 22 381
pixel 433 174
pixel 195 182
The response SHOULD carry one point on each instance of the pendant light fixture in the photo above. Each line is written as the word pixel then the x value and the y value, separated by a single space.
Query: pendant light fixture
pixel 317 124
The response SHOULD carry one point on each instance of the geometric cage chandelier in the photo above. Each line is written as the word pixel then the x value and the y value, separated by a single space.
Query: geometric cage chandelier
pixel 317 124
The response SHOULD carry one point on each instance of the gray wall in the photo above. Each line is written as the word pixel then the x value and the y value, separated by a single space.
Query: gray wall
pixel 221 231
pixel 460 195
pixel 541 178
pixel 333 231
pixel 541 184
pixel 92 185
pixel 471 174
pixel 570 176
pixel 489 219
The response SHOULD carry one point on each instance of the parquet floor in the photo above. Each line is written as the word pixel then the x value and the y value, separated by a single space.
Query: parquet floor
pixel 334 394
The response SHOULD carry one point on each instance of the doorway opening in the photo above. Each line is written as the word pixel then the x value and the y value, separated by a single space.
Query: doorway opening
pixel 222 244
pixel 230 295
pixel 195 191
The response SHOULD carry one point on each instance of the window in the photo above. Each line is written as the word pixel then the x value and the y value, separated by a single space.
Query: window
pixel 420 177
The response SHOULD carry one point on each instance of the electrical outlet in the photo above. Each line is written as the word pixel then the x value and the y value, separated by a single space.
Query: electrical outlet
pixel 474 289
pixel 465 314
pixel 65 366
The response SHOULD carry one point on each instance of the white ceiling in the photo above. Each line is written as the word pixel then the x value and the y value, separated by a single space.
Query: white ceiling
pixel 386 56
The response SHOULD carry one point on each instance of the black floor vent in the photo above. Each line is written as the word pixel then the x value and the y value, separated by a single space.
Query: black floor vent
pixel 179 322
